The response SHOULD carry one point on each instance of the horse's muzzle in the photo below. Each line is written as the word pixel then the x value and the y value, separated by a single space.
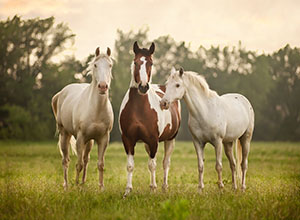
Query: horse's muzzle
pixel 103 87
pixel 143 89
pixel 164 104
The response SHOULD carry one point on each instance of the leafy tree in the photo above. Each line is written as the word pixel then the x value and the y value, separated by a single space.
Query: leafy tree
pixel 283 111
pixel 26 52
pixel 29 77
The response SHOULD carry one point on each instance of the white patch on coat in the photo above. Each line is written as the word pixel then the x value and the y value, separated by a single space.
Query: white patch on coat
pixel 123 104
pixel 130 166
pixel 164 116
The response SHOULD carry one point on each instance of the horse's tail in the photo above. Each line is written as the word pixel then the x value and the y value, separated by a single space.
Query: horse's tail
pixel 72 140
pixel 54 104
pixel 58 143
pixel 238 153
pixel 54 109
pixel 73 145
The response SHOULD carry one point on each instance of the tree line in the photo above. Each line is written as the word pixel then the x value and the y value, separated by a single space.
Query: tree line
pixel 29 77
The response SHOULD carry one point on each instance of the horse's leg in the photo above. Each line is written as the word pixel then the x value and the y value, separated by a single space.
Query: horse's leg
pixel 199 147
pixel 152 164
pixel 152 167
pixel 80 150
pixel 102 145
pixel 245 142
pixel 129 148
pixel 64 141
pixel 147 149
pixel 86 158
pixel 169 146
pixel 228 147
pixel 218 151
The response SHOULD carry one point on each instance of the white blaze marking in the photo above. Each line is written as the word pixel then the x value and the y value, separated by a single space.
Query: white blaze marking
pixel 143 72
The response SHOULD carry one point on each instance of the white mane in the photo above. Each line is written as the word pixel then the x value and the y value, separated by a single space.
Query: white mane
pixel 199 81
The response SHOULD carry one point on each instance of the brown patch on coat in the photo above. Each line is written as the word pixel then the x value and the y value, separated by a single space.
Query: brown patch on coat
pixel 169 134
pixel 138 121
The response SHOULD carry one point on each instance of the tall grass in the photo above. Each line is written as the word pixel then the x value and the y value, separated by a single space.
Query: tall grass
pixel 31 185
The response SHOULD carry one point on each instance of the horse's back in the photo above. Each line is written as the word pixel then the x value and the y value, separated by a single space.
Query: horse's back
pixel 72 91
pixel 239 114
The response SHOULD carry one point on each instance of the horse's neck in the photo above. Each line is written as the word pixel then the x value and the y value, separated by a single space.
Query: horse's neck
pixel 198 102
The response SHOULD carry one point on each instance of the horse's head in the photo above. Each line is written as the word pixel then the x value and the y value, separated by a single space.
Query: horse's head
pixel 100 68
pixel 175 88
pixel 142 66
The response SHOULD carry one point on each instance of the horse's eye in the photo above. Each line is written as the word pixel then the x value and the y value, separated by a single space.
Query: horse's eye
pixel 177 85
pixel 95 65
pixel 135 63
pixel 110 65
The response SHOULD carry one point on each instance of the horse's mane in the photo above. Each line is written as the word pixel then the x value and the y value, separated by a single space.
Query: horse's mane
pixel 199 81
pixel 90 67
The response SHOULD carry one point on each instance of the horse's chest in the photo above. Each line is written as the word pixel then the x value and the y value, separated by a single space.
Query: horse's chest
pixel 95 130
pixel 143 114
pixel 94 125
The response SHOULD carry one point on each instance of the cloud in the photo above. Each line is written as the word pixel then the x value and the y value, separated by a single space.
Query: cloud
pixel 260 25
pixel 11 7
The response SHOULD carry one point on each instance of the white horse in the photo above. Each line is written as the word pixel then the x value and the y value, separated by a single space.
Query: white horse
pixel 214 119
pixel 85 112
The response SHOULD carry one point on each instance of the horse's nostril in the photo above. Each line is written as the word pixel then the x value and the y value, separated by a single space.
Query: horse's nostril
pixel 143 89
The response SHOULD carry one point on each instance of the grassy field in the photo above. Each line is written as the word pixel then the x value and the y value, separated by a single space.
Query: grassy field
pixel 31 185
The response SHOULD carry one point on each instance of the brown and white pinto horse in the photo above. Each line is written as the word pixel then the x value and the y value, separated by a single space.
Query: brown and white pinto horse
pixel 142 119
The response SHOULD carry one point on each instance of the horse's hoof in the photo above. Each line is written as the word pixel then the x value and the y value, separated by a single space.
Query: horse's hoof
pixel 221 185
pixel 102 188
pixel 165 187
pixel 200 189
pixel 65 186
pixel 127 191
pixel 243 188
pixel 153 188
pixel 234 187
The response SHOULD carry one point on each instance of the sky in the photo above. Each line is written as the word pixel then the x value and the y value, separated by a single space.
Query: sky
pixel 261 26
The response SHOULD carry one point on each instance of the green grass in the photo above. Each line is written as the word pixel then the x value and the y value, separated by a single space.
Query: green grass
pixel 31 185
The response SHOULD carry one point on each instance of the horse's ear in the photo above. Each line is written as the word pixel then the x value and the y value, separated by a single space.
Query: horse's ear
pixel 181 71
pixel 173 70
pixel 136 48
pixel 108 52
pixel 152 48
pixel 97 52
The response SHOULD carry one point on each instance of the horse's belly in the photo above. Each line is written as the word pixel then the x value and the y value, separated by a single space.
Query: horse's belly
pixel 236 129
pixel 237 116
